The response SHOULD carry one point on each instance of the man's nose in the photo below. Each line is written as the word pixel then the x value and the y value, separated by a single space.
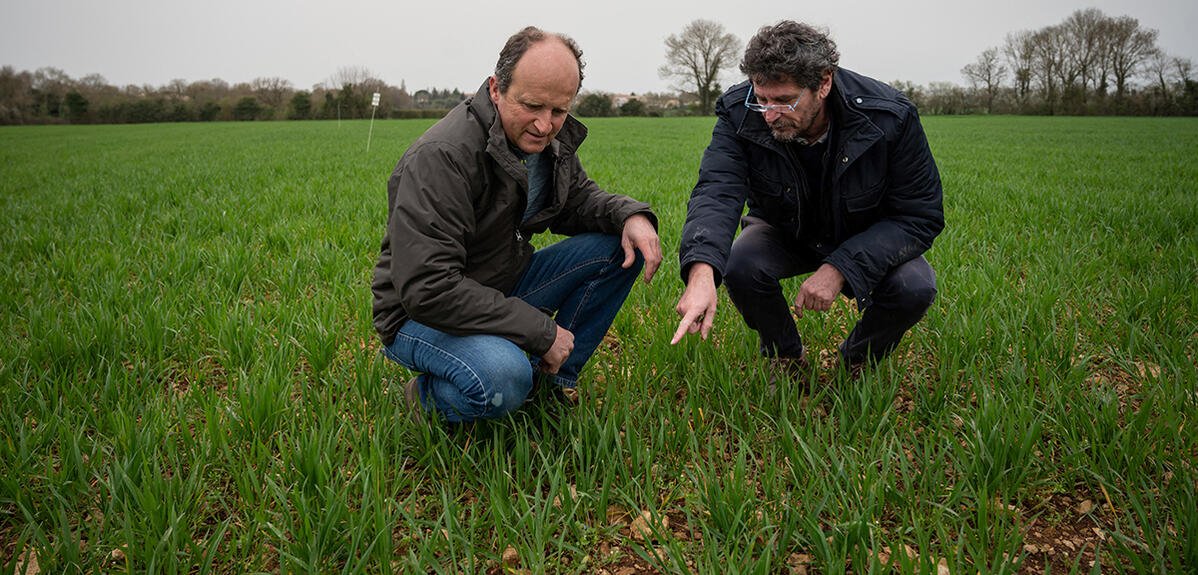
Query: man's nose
pixel 543 123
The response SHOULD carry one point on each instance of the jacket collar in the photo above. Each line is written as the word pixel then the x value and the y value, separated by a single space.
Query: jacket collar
pixel 752 124
pixel 566 143
pixel 845 99
pixel 857 132
pixel 853 131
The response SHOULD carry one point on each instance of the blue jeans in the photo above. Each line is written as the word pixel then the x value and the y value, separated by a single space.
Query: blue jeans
pixel 762 255
pixel 579 279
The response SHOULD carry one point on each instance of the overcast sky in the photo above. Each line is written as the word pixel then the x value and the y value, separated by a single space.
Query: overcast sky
pixel 454 44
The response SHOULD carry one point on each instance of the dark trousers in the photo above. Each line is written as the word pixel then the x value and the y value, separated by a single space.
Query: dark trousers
pixel 762 255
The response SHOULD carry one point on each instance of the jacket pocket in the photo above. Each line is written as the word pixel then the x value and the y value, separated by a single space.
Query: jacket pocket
pixel 770 194
pixel 862 200
pixel 864 184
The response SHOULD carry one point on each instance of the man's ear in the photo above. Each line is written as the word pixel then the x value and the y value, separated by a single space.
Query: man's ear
pixel 825 85
pixel 493 89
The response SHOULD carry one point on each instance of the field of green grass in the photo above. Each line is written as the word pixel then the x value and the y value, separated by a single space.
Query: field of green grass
pixel 190 383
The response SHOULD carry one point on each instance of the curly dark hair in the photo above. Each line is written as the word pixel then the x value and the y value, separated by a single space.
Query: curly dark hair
pixel 519 43
pixel 790 50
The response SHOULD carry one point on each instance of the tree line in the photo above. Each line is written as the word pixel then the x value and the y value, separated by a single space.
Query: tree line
pixel 48 95
pixel 1090 63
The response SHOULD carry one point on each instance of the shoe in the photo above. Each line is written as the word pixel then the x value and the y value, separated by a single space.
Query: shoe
pixel 411 395
pixel 568 396
pixel 546 387
pixel 852 371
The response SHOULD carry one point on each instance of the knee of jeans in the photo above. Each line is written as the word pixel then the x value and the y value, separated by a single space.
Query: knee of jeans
pixel 618 255
pixel 508 381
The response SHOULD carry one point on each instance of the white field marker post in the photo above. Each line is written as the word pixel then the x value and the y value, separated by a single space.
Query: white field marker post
pixel 374 103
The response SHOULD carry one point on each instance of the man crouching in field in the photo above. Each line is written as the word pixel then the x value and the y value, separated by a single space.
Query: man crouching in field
pixel 460 296
pixel 839 181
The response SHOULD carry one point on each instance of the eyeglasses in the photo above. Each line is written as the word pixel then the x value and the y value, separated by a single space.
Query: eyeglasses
pixel 763 108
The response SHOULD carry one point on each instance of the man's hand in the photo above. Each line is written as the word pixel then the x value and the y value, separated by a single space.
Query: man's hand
pixel 639 234
pixel 697 304
pixel 819 291
pixel 563 344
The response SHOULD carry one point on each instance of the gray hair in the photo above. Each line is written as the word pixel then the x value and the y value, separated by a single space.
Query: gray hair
pixel 519 43
pixel 790 50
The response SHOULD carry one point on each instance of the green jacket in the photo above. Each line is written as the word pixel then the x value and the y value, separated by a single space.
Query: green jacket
pixel 454 245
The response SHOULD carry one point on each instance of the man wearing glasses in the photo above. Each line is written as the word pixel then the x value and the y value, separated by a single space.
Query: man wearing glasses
pixel 839 182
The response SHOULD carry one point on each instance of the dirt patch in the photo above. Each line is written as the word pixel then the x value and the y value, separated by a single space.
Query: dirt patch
pixel 1125 379
pixel 1068 531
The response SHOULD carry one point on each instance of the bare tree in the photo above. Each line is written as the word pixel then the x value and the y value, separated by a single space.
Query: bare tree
pixel 176 89
pixel 1102 72
pixel 97 89
pixel 1071 63
pixel 49 88
pixel 1130 47
pixel 15 100
pixel 913 91
pixel 348 75
pixel 1160 68
pixel 1169 76
pixel 986 74
pixel 1048 57
pixel 1084 31
pixel 945 98
pixel 1058 44
pixel 1020 55
pixel 208 90
pixel 93 82
pixel 48 79
pixel 1184 68
pixel 697 55
pixel 272 91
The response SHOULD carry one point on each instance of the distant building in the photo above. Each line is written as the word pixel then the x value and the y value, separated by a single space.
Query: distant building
pixel 618 100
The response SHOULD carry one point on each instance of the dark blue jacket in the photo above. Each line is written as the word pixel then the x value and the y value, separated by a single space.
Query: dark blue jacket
pixel 880 178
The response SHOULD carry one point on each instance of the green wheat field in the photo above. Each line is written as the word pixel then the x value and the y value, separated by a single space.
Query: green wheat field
pixel 190 383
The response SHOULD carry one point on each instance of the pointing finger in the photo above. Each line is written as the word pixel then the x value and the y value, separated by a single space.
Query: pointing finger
pixel 689 323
